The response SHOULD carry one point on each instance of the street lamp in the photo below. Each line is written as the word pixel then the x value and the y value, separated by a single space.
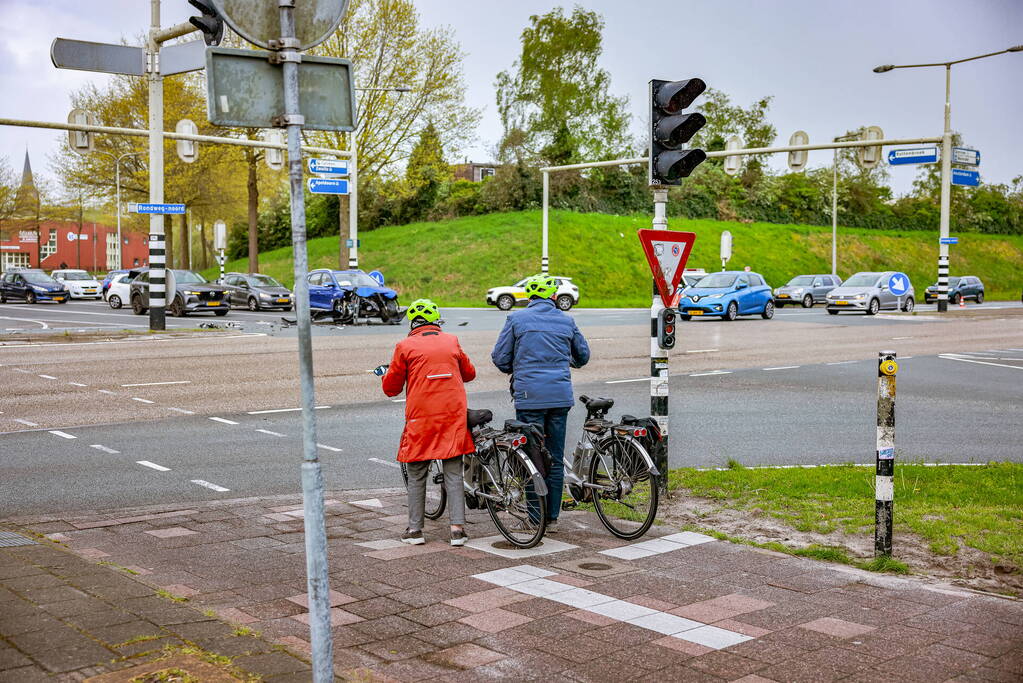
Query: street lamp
pixel 946 162
pixel 117 176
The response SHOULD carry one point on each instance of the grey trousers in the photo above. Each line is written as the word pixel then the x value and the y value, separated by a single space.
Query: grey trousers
pixel 417 473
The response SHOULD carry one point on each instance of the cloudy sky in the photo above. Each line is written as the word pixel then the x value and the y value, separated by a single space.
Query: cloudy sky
pixel 814 56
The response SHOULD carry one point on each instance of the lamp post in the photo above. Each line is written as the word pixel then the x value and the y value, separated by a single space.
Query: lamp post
pixel 834 199
pixel 117 181
pixel 946 162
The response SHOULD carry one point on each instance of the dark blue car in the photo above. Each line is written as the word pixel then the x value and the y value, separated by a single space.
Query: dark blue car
pixel 727 295
pixel 31 285
pixel 347 294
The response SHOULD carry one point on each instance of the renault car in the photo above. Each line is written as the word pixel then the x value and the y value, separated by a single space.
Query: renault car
pixel 727 295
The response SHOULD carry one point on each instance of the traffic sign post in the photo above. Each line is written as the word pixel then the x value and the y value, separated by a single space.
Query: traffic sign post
pixel 965 156
pixel 961 176
pixel 913 155
pixel 328 185
pixel 667 252
pixel 898 284
pixel 948 240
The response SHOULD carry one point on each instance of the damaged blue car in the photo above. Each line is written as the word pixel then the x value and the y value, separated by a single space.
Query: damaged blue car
pixel 346 295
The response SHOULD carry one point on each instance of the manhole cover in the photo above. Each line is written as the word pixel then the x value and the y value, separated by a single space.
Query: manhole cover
pixel 9 539
pixel 594 566
pixel 505 545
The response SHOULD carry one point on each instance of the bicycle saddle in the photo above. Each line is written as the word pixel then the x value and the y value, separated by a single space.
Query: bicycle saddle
pixel 515 426
pixel 594 404
pixel 477 418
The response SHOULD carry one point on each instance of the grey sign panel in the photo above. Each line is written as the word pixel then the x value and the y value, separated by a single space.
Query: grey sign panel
pixel 101 57
pixel 259 21
pixel 183 57
pixel 244 90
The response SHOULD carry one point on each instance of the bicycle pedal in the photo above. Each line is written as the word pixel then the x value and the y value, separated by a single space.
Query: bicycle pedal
pixel 569 505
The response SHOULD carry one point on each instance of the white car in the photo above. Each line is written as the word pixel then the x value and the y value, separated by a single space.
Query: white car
pixel 79 283
pixel 506 298
pixel 119 290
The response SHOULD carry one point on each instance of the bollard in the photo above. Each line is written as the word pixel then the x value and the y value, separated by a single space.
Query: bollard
pixel 884 486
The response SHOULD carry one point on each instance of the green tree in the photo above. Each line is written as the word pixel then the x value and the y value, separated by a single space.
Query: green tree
pixel 425 174
pixel 725 119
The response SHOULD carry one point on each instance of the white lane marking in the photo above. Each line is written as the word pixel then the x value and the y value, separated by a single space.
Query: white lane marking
pixel 146 340
pixel 700 350
pixel 842 362
pixel 282 410
pixel 21 370
pixel 77 384
pixel 26 422
pixel 385 463
pixel 223 421
pixel 152 465
pixel 63 435
pixel 783 367
pixel 623 381
pixel 47 376
pixel 141 400
pixel 897 338
pixel 716 372
pixel 212 487
pixel 267 431
pixel 154 384
pixel 27 320
pixel 101 447
pixel 980 362
pixel 397 400
pixel 328 448
pixel 181 410
pixel 107 391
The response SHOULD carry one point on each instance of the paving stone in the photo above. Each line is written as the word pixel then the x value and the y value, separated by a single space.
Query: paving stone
pixel 12 659
pixel 62 649
pixel 495 620
pixel 451 633
pixel 919 669
pixel 171 532
pixel 432 615
pixel 271 663
pixel 376 607
pixel 465 656
pixel 486 600
pixel 387 627
pixel 837 627
pixel 338 617
pixel 120 633
pixel 727 665
pixel 402 647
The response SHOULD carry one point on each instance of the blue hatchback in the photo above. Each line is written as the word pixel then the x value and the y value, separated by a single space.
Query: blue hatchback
pixel 728 295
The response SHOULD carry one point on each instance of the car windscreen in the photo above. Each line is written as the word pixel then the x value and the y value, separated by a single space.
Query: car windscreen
pixel 188 277
pixel 38 278
pixel 263 281
pixel 862 280
pixel 804 280
pixel 81 275
pixel 357 279
pixel 717 280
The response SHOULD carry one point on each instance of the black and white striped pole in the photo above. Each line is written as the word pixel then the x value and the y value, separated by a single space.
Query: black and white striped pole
pixel 884 482
pixel 658 353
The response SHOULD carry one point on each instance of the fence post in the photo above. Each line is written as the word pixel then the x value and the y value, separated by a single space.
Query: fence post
pixel 884 486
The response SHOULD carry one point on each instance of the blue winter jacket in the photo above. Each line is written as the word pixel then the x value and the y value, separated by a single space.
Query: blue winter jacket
pixel 537 346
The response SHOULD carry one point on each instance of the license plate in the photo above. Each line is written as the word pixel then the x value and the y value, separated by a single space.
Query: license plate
pixel 841 303
pixel 695 312
pixel 783 296
pixel 58 298
pixel 282 301
pixel 212 303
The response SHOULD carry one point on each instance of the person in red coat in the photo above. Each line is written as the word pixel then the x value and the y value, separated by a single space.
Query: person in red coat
pixel 432 369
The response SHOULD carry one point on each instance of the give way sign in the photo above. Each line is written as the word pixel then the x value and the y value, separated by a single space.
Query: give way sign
pixel 667 252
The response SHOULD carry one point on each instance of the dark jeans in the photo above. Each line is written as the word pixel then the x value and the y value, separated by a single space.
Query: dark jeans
pixel 552 421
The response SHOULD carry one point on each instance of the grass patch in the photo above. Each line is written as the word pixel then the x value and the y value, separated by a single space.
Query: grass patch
pixel 455 261
pixel 138 639
pixel 170 596
pixel 979 507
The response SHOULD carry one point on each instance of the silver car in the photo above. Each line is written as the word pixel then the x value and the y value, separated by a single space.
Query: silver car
pixel 806 290
pixel 869 292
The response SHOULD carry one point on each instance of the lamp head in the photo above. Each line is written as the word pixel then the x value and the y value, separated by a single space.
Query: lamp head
pixel 884 67
pixel 1015 48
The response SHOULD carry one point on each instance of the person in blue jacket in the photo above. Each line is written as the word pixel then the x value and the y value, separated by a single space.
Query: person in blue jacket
pixel 537 347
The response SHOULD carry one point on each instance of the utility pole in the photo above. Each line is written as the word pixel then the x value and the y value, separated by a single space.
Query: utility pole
pixel 157 243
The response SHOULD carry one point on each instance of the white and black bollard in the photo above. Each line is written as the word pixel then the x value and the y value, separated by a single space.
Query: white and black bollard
pixel 157 281
pixel 884 484
pixel 221 259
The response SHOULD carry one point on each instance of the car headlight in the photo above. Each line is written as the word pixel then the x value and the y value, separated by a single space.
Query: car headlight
pixel 776 291
pixel 797 291
pixel 714 296
pixel 39 289
pixel 264 295
pixel 860 296
pixel 189 292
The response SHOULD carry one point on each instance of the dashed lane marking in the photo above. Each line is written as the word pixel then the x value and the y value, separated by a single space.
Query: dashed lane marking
pixel 26 422
pixel 282 410
pixel 267 431
pixel 385 463
pixel 141 400
pixel 182 411
pixel 154 384
pixel 981 362
pixel 623 381
pixel 328 448
pixel 700 350
pixel 152 465
pixel 397 400
pixel 101 447
pixel 47 376
pixel 22 370
pixel 147 340
pixel 223 421
pixel 77 384
pixel 212 487
pixel 63 435
pixel 107 391
pixel 716 372
pixel 843 362
pixel 782 367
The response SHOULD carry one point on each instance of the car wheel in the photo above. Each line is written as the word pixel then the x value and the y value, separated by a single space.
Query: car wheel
pixel 136 306
pixel 30 298
pixel 808 301
pixel 768 311
pixel 956 298
pixel 506 302
pixel 253 304
pixel 732 312
pixel 114 301
pixel 980 297
pixel 683 316
pixel 832 311
pixel 176 309
pixel 873 307
pixel 564 302
pixel 221 313
pixel 908 305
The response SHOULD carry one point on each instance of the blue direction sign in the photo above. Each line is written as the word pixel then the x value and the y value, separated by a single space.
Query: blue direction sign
pixel 898 284
pixel 175 209
pixel 965 156
pixel 328 166
pixel 913 155
pixel 328 185
pixel 948 240
pixel 960 176
pixel 378 276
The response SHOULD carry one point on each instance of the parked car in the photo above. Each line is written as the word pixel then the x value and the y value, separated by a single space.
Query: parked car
pixel 506 298
pixel 727 294
pixel 191 293
pixel 347 294
pixel 257 292
pixel 118 290
pixel 868 292
pixel 806 290
pixel 79 283
pixel 108 278
pixel 959 288
pixel 31 285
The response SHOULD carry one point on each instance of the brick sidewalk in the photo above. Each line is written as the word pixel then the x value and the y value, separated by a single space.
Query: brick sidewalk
pixel 583 607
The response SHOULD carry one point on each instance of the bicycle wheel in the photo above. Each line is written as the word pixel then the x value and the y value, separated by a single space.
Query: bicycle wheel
pixel 627 500
pixel 519 513
pixel 436 496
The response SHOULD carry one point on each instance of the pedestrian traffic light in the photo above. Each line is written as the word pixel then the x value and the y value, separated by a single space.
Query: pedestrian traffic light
pixel 210 23
pixel 666 328
pixel 671 127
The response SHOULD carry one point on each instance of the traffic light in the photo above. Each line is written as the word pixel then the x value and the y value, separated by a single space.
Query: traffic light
pixel 666 328
pixel 671 127
pixel 210 23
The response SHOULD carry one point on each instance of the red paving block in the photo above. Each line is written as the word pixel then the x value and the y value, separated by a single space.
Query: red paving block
pixel 652 603
pixel 701 611
pixel 338 617
pixel 170 532
pixel 839 628
pixel 487 600
pixel 336 599
pixel 495 620
pixel 683 646
pixel 464 656
pixel 591 617
pixel 744 629
pixel 235 615
pixel 180 590
pixel 576 581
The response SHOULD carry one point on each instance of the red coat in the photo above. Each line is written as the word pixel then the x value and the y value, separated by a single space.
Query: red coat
pixel 432 368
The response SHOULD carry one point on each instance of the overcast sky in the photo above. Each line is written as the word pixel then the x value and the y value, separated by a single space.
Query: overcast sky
pixel 814 56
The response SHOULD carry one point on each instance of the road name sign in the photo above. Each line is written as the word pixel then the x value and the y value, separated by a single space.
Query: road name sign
pixel 328 166
pixel 965 156
pixel 667 252
pixel 172 209
pixel 913 155
pixel 960 176
pixel 102 57
pixel 898 284
pixel 948 240
pixel 328 185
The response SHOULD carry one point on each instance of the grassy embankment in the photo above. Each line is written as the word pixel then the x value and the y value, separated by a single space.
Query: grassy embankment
pixel 454 262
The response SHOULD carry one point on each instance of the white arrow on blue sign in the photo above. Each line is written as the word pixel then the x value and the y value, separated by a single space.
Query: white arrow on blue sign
pixel 948 240
pixel 328 166
pixel 174 209
pixel 898 284
pixel 965 156
pixel 328 185
pixel 913 155
pixel 960 176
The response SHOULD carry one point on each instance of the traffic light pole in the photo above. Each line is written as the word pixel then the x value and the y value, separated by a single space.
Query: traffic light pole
pixel 658 354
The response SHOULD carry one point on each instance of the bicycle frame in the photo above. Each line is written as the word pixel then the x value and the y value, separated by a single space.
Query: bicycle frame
pixel 487 440
pixel 576 469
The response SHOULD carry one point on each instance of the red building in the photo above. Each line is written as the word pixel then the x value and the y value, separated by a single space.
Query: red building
pixel 91 246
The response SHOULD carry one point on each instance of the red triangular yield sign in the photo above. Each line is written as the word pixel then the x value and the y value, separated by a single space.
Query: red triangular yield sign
pixel 667 252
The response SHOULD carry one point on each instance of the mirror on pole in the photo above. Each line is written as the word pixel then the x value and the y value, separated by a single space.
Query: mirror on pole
pixel 260 22
pixel 82 141
pixel 188 150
